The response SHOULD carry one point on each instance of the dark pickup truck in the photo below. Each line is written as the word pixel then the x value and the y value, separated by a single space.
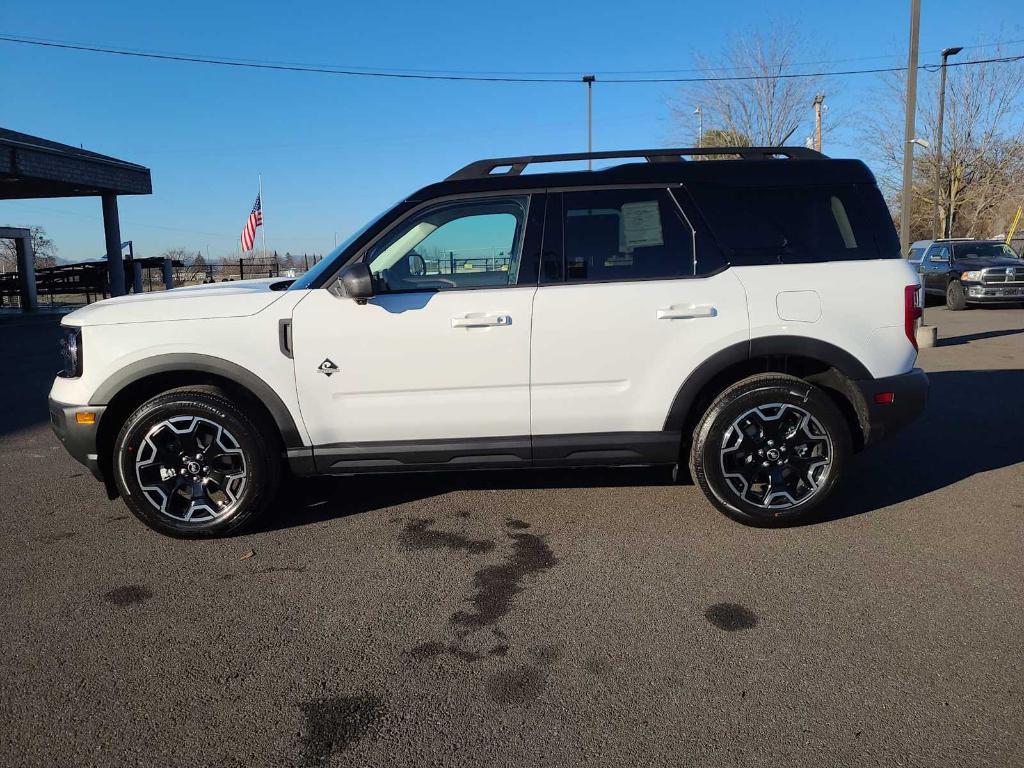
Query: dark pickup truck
pixel 970 272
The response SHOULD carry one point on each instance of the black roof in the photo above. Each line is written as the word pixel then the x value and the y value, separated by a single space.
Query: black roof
pixel 33 167
pixel 733 166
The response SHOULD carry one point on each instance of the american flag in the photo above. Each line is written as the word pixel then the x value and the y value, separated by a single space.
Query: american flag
pixel 254 220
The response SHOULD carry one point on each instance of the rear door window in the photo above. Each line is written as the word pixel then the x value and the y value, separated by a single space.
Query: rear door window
pixel 785 225
pixel 624 234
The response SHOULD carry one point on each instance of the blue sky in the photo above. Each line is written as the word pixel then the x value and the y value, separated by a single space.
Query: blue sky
pixel 334 150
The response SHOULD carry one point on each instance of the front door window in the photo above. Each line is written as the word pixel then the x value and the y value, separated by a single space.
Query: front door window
pixel 473 244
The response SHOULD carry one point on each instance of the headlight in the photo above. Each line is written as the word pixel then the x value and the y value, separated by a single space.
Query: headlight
pixel 973 276
pixel 71 352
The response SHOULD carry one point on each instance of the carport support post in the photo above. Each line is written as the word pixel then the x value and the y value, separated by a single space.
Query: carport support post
pixel 136 277
pixel 26 273
pixel 112 231
pixel 168 274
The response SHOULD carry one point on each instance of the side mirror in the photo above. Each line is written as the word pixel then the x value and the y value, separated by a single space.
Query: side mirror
pixel 357 282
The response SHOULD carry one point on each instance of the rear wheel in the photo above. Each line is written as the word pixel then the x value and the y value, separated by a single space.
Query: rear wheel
pixel 956 299
pixel 770 450
pixel 189 463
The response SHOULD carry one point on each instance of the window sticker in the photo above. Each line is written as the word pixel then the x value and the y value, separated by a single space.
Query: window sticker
pixel 641 225
pixel 619 260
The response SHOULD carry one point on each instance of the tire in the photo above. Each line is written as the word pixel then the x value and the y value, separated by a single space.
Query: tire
pixel 806 456
pixel 956 299
pixel 223 487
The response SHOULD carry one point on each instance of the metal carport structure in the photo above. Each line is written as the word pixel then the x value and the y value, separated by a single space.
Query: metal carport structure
pixel 33 167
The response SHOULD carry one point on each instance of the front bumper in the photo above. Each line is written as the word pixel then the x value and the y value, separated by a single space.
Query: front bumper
pixel 993 293
pixel 78 439
pixel 909 395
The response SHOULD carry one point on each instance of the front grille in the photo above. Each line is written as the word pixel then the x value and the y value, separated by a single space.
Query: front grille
pixel 1002 275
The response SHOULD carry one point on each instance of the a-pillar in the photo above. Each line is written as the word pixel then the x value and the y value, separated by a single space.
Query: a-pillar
pixel 112 232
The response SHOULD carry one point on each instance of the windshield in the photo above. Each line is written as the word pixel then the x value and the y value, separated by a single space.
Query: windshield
pixel 327 262
pixel 983 251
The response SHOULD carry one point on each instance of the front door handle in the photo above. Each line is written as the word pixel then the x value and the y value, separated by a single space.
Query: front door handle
pixel 686 311
pixel 479 320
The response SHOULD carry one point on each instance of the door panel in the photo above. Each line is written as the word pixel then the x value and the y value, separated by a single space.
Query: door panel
pixel 612 342
pixel 405 369
pixel 603 360
pixel 441 354
pixel 934 276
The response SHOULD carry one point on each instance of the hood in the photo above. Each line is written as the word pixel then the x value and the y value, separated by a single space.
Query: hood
pixel 977 262
pixel 193 302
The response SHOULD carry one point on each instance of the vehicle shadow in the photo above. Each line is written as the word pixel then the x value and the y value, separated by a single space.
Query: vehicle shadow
pixel 968 338
pixel 964 430
pixel 970 425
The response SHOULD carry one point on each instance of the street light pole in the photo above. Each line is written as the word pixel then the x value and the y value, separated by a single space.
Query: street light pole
pixel 946 53
pixel 589 80
pixel 907 199
pixel 699 112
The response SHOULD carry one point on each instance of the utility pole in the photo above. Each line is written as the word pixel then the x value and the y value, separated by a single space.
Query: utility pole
pixel 946 53
pixel 699 112
pixel 589 80
pixel 909 129
pixel 819 99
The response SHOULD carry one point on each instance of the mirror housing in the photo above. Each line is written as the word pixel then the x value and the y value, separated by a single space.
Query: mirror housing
pixel 357 282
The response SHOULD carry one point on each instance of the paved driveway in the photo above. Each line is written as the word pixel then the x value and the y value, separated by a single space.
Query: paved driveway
pixel 547 618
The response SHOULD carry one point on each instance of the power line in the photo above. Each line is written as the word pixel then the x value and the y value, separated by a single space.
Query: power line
pixel 419 75
pixel 495 74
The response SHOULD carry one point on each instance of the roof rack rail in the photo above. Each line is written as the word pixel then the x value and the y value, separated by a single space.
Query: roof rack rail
pixel 516 165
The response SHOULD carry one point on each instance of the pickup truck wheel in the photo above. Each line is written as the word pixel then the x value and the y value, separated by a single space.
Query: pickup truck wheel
pixel 770 450
pixel 956 299
pixel 191 464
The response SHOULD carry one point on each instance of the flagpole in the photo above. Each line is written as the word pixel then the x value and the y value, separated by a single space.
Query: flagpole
pixel 263 215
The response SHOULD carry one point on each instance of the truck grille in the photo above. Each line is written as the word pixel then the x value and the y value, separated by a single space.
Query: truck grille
pixel 1002 275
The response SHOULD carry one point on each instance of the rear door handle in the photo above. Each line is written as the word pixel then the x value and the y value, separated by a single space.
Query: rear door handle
pixel 686 311
pixel 480 320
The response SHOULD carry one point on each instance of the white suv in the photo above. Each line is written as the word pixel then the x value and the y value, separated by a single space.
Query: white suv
pixel 750 317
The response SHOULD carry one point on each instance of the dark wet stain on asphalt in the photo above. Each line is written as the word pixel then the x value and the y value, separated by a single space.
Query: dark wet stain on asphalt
pixel 335 723
pixel 131 594
pixel 731 617
pixel 512 522
pixel 418 534
pixel 425 651
pixel 519 686
pixel 497 585
pixel 546 654
pixel 55 537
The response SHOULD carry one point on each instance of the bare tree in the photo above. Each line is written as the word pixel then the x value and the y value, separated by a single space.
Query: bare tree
pixel 766 110
pixel 982 153
pixel 193 267
pixel 43 250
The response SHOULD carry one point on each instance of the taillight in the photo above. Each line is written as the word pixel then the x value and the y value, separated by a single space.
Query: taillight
pixel 912 311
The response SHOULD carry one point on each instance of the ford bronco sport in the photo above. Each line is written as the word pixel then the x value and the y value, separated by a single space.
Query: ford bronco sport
pixel 746 314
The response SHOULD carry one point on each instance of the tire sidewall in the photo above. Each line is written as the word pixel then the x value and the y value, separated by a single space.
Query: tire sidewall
pixel 956 299
pixel 706 458
pixel 259 480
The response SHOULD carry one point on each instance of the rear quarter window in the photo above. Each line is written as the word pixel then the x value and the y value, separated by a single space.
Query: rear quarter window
pixel 791 225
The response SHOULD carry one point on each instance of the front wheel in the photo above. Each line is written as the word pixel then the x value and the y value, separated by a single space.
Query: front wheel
pixel 770 450
pixel 190 463
pixel 956 299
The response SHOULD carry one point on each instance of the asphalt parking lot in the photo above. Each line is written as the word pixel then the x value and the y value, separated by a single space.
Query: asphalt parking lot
pixel 539 618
